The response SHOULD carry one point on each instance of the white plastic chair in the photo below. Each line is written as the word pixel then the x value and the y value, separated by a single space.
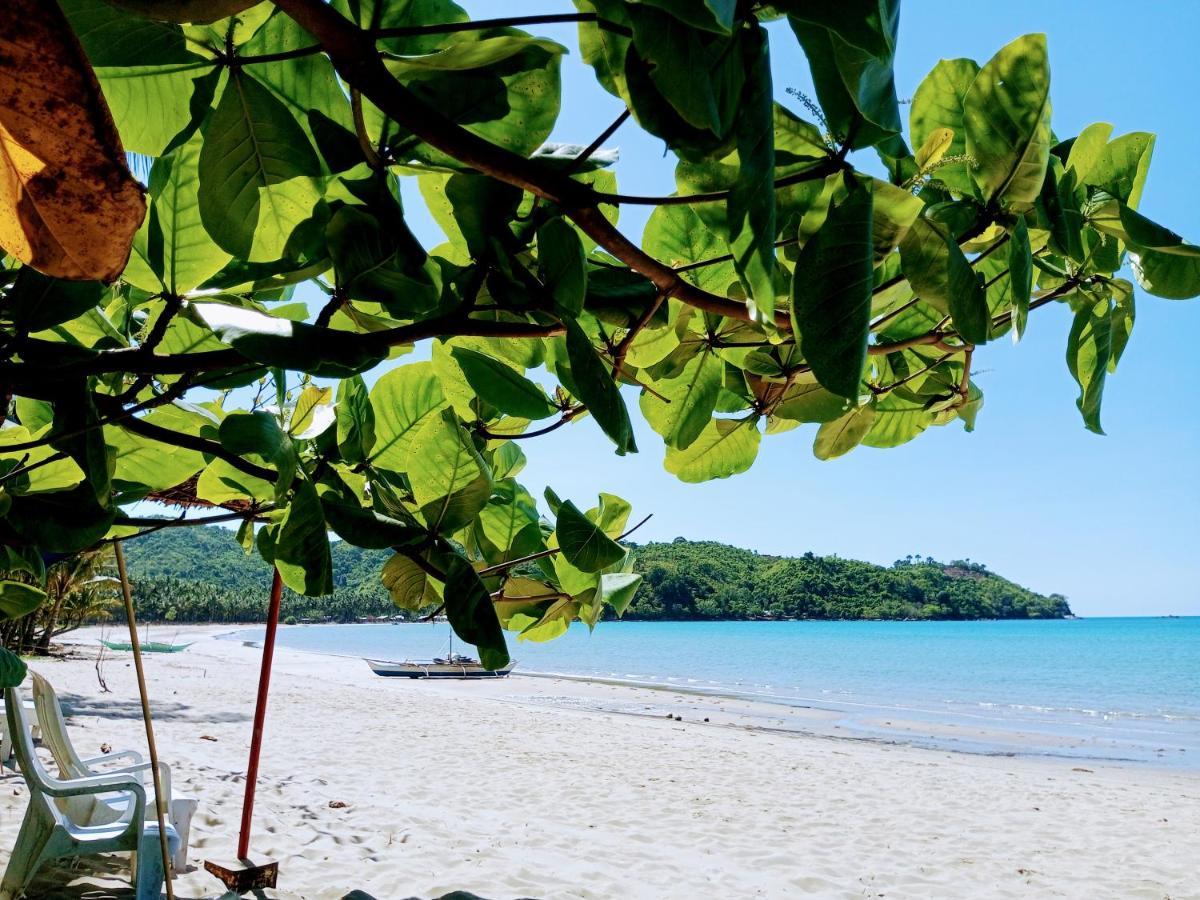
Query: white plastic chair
pixel 99 809
pixel 47 833
pixel 6 747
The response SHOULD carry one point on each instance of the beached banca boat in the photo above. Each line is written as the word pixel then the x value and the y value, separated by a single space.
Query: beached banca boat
pixel 147 646
pixel 452 666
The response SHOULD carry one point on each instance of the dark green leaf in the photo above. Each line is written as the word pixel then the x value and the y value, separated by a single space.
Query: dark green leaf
pixel 469 609
pixel 831 293
pixel 368 528
pixel 597 389
pixel 301 551
pixel 503 386
pixel 355 421
pixel 1089 347
pixel 854 80
pixel 583 542
pixel 1020 275
pixel 940 275
pixel 18 599
pixel 37 301
pixel 561 264
pixel 750 214
pixel 12 669
pixel 290 345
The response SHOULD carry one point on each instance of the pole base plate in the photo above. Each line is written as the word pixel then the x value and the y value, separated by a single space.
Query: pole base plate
pixel 244 875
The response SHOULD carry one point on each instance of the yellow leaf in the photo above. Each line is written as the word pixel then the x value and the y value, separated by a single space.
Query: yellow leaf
pixel 68 205
pixel 935 147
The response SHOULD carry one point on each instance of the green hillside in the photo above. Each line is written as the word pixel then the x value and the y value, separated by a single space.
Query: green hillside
pixel 201 574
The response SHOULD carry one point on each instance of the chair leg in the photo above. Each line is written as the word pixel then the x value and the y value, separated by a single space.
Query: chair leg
pixel 182 810
pixel 148 869
pixel 27 856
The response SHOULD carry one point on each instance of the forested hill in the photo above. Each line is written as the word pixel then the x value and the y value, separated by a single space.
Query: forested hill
pixel 201 574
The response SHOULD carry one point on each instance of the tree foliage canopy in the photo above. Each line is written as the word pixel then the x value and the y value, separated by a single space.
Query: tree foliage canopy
pixel 777 284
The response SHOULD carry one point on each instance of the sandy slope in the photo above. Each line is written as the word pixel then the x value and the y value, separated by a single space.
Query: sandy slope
pixel 523 788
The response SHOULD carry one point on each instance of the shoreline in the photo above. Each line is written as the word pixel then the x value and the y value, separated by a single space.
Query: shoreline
pixel 1019 733
pixel 548 788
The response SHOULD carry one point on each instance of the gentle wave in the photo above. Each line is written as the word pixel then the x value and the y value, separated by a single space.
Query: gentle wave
pixel 1040 685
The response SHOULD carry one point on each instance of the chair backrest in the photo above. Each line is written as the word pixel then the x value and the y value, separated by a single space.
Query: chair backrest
pixel 54 729
pixel 36 776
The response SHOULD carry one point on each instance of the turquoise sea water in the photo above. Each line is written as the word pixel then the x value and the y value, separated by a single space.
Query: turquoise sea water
pixel 1118 688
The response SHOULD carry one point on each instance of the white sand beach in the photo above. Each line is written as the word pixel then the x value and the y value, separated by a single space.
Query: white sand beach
pixel 525 788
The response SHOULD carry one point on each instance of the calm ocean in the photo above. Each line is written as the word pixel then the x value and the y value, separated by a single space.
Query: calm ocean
pixel 1114 688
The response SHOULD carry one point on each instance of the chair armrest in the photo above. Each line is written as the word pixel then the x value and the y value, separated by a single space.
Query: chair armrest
pixel 111 757
pixel 93 784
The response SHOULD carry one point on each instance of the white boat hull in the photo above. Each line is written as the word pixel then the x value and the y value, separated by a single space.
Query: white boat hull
pixel 391 669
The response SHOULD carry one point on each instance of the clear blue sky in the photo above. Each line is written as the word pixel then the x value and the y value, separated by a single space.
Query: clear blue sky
pixel 1109 521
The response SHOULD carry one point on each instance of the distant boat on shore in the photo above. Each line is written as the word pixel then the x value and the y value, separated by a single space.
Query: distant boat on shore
pixel 453 666
pixel 147 646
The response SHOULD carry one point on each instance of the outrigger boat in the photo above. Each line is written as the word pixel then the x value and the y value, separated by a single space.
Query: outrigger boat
pixel 454 665
pixel 147 646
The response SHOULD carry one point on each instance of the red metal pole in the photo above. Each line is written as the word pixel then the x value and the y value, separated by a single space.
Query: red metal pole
pixel 260 714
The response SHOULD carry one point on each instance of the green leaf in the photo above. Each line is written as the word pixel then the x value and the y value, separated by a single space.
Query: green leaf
pixel 503 386
pixel 687 400
pixel 699 74
pixel 18 599
pixel 1121 167
pixel 583 542
pixel 450 481
pixel 853 77
pixel 12 669
pixel 370 529
pixel 896 421
pixel 145 464
pixel 842 435
pixel 187 256
pixel 1089 347
pixel 504 89
pixel 308 86
pixel 1020 275
pixel 938 104
pixel 383 265
pixel 301 551
pixel 1168 275
pixel 221 482
pixel 750 212
pixel 725 447
pixel 401 400
pixel 153 84
pixel 509 512
pixel 597 389
pixel 940 274
pixel 831 293
pixel 410 587
pixel 617 589
pixel 1006 114
pixel 469 609
pixel 36 301
pixel 562 265
pixel 255 170
pixel 63 521
pixel 256 432
pixel 711 15
pixel 355 421
pixel 804 400
pixel 285 344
